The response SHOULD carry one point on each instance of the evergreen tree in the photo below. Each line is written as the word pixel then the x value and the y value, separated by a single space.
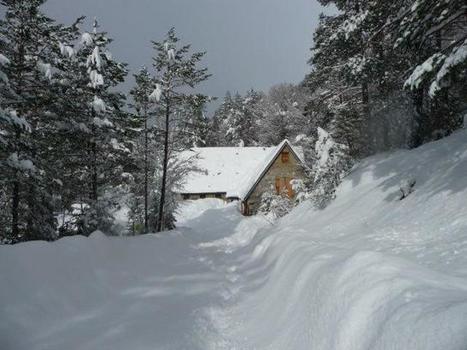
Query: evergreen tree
pixel 359 72
pixel 143 105
pixel 281 115
pixel 176 72
pixel 196 125
pixel 233 123
pixel 435 32
pixel 29 44
pixel 252 114
pixel 240 119
pixel 95 130
pixel 218 126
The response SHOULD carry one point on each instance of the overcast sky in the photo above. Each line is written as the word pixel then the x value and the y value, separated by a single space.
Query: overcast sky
pixel 249 43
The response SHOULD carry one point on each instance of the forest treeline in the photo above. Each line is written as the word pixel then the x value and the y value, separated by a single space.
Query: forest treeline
pixel 75 150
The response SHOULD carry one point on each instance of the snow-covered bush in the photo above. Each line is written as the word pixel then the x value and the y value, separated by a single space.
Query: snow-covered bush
pixel 300 189
pixel 331 165
pixel 274 205
pixel 98 215
pixel 86 217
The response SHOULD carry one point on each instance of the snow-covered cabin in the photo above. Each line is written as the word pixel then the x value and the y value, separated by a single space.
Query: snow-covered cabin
pixel 243 173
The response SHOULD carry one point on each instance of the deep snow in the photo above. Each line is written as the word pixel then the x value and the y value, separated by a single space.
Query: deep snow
pixel 368 272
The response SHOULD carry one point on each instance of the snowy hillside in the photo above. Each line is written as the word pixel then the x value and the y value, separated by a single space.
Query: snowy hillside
pixel 369 272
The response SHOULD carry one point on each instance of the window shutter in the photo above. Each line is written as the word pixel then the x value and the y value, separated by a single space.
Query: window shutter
pixel 278 185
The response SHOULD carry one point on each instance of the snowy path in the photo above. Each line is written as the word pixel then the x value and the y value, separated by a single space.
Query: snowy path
pixel 370 272
pixel 115 293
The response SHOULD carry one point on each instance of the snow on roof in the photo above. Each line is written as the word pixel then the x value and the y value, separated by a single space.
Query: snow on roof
pixel 230 170
pixel 222 168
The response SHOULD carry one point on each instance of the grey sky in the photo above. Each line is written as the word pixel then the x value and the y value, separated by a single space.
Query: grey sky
pixel 249 43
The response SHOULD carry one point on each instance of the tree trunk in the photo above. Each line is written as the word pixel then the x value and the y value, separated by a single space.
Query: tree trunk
pixel 30 199
pixel 94 176
pixel 15 207
pixel 16 182
pixel 146 176
pixel 419 122
pixel 160 219
pixel 366 119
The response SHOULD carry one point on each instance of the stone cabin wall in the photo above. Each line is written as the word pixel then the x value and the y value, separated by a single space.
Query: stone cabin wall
pixel 291 169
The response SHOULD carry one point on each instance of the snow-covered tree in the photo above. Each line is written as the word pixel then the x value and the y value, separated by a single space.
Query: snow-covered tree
pixel 194 126
pixel 218 127
pixel 233 122
pixel 357 76
pixel 236 121
pixel 29 45
pixel 177 72
pixel 365 53
pixel 435 32
pixel 252 114
pixel 440 26
pixel 281 115
pixel 144 165
pixel 94 123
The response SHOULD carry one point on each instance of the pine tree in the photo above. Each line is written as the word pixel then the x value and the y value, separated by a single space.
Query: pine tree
pixel 240 119
pixel 435 32
pixel 96 149
pixel 360 72
pixel 195 124
pixel 252 114
pixel 30 41
pixel 143 105
pixel 280 115
pixel 233 123
pixel 176 71
pixel 218 126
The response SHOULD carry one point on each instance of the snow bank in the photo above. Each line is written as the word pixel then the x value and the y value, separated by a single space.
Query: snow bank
pixel 190 210
pixel 369 272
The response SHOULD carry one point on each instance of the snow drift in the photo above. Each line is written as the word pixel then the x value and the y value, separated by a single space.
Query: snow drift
pixel 369 272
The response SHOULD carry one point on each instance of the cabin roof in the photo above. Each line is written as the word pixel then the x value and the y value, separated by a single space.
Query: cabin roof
pixel 231 170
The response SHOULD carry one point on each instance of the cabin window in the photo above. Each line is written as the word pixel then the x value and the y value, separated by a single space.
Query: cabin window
pixel 202 196
pixel 186 196
pixel 285 157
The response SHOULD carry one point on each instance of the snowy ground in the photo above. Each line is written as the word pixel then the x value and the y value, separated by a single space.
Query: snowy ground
pixel 369 272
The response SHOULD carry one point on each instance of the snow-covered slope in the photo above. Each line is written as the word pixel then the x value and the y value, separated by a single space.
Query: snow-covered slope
pixel 368 272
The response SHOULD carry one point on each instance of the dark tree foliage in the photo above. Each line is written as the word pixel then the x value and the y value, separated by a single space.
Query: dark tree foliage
pixel 29 42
